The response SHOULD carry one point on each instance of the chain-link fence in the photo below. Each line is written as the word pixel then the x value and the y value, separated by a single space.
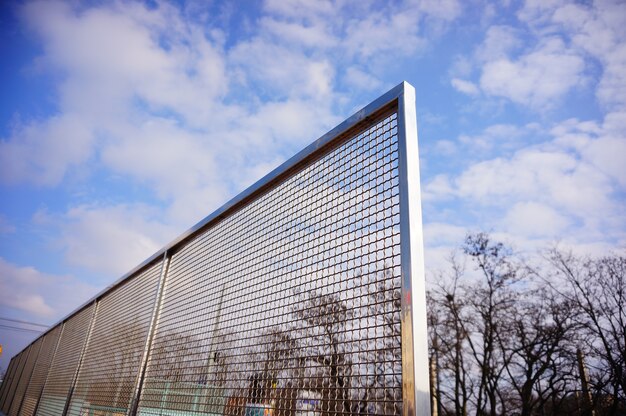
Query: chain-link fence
pixel 301 296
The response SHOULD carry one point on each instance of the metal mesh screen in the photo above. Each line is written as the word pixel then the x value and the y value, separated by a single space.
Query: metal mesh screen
pixel 8 377
pixel 21 361
pixel 292 299
pixel 65 364
pixel 25 377
pixel 112 359
pixel 291 304
pixel 40 372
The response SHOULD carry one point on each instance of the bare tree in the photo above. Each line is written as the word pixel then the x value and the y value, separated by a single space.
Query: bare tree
pixel 505 342
pixel 597 289
pixel 540 351
pixel 323 322
pixel 449 337
pixel 380 364
pixel 173 357
pixel 491 300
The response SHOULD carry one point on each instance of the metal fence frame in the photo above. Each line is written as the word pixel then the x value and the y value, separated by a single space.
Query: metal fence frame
pixel 415 380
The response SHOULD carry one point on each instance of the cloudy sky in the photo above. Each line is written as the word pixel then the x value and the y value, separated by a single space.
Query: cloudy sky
pixel 124 123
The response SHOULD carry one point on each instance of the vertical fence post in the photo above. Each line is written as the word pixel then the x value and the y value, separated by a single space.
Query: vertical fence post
pixel 415 380
pixel 587 402
pixel 434 399
pixel 94 314
pixel 134 406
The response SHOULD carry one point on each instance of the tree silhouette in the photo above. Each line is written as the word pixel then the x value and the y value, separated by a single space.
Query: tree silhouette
pixel 322 319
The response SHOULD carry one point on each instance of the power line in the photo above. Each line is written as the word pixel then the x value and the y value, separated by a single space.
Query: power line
pixel 24 322
pixel 15 328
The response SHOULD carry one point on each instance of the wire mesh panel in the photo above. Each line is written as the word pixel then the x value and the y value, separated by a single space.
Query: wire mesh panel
pixel 29 366
pixel 21 361
pixel 112 359
pixel 291 304
pixel 40 372
pixel 65 364
pixel 303 295
pixel 8 376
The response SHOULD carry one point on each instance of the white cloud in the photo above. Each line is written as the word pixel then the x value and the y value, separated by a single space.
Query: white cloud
pixel 446 10
pixel 282 71
pixel 380 32
pixel 557 47
pixel 286 123
pixel 466 87
pixel 172 160
pixel 40 295
pixel 597 29
pixel 602 146
pixel 532 219
pixel 440 187
pixel 538 11
pixel 437 234
pixel 495 136
pixel 536 79
pixel 318 35
pixel 499 43
pixel 111 239
pixel 445 147
pixel 442 239
pixel 302 9
pixel 569 186
pixel 115 71
pixel 152 100
pixel 43 152
pixel 362 80
pixel 142 97
pixel 540 174
pixel 612 88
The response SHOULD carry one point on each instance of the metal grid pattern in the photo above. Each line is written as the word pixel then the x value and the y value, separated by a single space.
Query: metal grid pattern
pixel 8 377
pixel 25 377
pixel 112 358
pixel 291 303
pixel 40 372
pixel 21 361
pixel 302 295
pixel 65 364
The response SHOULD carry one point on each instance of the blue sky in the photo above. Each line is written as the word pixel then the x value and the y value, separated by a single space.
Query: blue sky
pixel 124 123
